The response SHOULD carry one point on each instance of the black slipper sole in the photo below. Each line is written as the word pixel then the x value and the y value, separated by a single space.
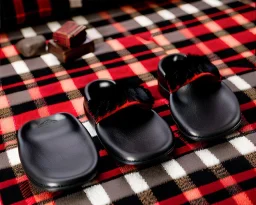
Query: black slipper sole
pixel 57 152
pixel 215 137
pixel 136 140
pixel 62 188
pixel 154 155
pixel 183 100
pixel 163 157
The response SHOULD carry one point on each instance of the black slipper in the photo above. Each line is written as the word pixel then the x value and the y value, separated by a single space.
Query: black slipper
pixel 202 106
pixel 125 123
pixel 57 152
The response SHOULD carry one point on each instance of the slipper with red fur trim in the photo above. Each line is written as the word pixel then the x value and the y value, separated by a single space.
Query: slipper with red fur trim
pixel 202 106
pixel 125 123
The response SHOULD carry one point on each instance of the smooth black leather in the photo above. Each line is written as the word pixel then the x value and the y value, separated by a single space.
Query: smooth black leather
pixel 204 113
pixel 57 152
pixel 132 135
pixel 203 110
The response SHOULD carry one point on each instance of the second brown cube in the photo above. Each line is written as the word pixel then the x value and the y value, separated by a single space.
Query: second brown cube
pixel 70 35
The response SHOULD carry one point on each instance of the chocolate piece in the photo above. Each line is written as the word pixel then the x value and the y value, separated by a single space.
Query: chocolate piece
pixel 33 46
pixel 67 54
pixel 70 35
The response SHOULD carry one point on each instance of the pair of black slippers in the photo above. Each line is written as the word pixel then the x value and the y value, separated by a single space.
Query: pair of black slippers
pixel 58 153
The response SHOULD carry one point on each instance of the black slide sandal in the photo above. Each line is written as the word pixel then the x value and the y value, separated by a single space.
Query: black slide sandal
pixel 130 131
pixel 57 152
pixel 202 106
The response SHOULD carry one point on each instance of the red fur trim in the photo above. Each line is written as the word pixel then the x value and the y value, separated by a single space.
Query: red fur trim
pixel 127 104
pixel 195 77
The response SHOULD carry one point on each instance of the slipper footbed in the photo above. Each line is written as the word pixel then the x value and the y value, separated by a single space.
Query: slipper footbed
pixel 57 152
pixel 135 135
pixel 203 112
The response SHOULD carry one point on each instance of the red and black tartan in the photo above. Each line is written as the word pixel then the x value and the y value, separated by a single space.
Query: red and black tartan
pixel 130 41
pixel 26 12
pixel 18 12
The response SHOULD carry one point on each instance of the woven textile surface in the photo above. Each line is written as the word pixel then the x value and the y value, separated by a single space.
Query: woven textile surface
pixel 25 12
pixel 16 12
pixel 130 41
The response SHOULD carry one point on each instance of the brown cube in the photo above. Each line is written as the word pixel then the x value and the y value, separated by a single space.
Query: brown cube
pixel 67 54
pixel 70 34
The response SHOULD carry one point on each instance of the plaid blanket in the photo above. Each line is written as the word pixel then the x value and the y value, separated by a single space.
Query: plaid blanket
pixel 130 41
pixel 16 12
pixel 24 12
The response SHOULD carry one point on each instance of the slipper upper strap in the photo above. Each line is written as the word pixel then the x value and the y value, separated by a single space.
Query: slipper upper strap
pixel 189 70
pixel 119 99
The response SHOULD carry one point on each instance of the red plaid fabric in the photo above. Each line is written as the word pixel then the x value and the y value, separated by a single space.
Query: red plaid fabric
pixel 130 41
pixel 17 12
